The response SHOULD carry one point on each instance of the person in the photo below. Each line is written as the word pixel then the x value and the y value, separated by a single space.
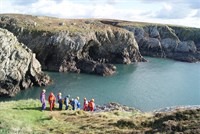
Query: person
pixel 52 100
pixel 79 105
pixel 67 102
pixel 72 103
pixel 59 97
pixel 75 103
pixel 42 99
pixel 85 104
pixel 91 105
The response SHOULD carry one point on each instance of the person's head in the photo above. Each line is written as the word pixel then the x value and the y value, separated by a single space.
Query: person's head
pixel 92 100
pixel 51 93
pixel 77 98
pixel 60 94
pixel 68 95
pixel 43 90
pixel 85 99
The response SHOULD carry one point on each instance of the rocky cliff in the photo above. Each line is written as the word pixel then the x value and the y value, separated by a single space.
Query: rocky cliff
pixel 166 41
pixel 19 69
pixel 91 46
pixel 74 45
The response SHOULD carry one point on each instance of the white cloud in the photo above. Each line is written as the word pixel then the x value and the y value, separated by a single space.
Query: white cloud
pixel 168 11
pixel 164 12
pixel 167 7
pixel 197 14
pixel 195 4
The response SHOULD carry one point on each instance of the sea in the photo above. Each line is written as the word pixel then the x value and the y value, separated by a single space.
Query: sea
pixel 147 86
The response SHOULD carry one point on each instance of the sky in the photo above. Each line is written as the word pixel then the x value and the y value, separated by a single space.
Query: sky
pixel 178 12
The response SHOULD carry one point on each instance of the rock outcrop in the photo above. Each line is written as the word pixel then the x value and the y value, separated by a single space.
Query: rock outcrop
pixel 19 69
pixel 179 43
pixel 112 106
pixel 77 46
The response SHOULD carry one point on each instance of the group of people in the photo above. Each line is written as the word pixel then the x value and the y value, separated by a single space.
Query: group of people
pixel 74 103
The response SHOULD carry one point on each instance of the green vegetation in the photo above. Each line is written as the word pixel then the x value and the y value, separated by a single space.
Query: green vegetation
pixel 25 117
pixel 46 25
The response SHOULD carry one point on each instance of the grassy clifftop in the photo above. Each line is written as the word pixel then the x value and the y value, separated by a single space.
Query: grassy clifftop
pixel 183 32
pixel 51 24
pixel 24 116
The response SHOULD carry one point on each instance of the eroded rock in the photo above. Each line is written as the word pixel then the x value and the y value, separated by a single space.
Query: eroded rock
pixel 19 67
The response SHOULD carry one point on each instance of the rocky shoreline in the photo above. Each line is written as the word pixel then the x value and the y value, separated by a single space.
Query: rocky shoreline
pixel 164 41
pixel 113 106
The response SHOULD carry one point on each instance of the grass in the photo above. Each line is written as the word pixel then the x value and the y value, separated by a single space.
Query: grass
pixel 54 25
pixel 25 117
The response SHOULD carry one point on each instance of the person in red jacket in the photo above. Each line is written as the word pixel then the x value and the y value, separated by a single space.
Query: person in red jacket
pixel 52 100
pixel 91 105
pixel 85 105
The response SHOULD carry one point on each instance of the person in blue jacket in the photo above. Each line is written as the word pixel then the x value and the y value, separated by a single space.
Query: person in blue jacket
pixel 43 100
pixel 79 105
pixel 76 103
pixel 59 97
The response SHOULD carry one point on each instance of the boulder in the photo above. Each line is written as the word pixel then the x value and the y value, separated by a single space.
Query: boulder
pixel 92 67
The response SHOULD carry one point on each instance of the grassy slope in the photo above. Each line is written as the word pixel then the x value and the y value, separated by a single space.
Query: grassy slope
pixel 53 25
pixel 24 116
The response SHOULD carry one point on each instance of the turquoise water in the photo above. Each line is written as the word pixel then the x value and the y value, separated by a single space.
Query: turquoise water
pixel 147 86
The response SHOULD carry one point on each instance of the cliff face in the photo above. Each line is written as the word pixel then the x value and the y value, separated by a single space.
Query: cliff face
pixel 19 69
pixel 74 45
pixel 64 52
pixel 179 43
pixel 91 46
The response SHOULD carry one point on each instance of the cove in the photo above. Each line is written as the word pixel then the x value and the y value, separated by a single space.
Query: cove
pixel 146 86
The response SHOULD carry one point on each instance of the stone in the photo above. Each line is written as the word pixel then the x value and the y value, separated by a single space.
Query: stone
pixel 92 67
pixel 61 23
